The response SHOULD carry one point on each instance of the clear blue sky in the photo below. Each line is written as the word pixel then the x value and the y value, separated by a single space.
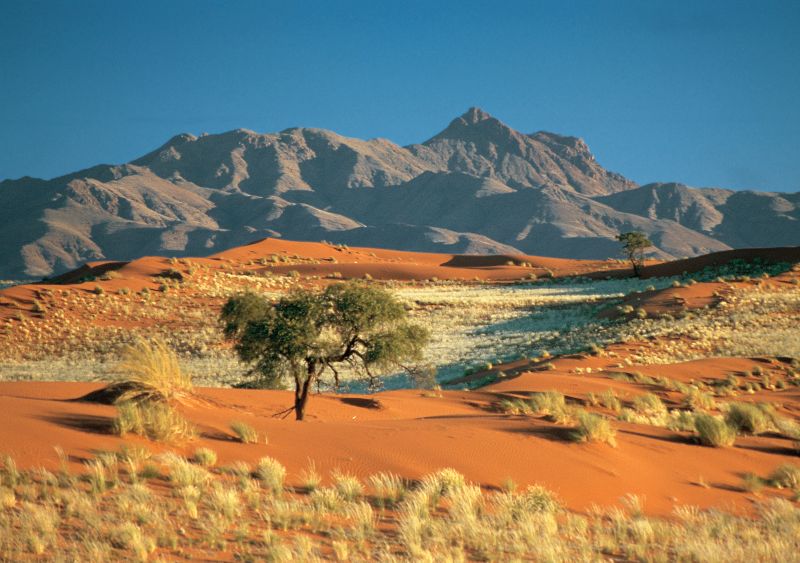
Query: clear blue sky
pixel 706 93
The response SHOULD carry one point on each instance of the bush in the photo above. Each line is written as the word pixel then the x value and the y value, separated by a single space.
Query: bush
pixel 245 433
pixel 389 488
pixel 205 457
pixel 713 431
pixel 786 476
pixel 348 486
pixel 752 483
pixel 550 403
pixel 310 478
pixel 746 417
pixel 698 400
pixel 682 421
pixel 610 401
pixel 593 428
pixel 149 371
pixel 271 473
pixel 184 474
pixel 156 421
pixel 649 405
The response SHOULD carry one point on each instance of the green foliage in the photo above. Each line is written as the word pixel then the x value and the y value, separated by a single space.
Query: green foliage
pixel 739 269
pixel 307 334
pixel 634 244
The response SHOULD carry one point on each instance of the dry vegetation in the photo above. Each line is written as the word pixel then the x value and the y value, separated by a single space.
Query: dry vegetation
pixel 471 323
pixel 131 505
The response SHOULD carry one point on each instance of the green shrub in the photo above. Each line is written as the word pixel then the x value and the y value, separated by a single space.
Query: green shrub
pixel 713 431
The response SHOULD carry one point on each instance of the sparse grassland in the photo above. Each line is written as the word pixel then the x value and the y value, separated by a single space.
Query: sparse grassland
pixel 470 323
pixel 110 513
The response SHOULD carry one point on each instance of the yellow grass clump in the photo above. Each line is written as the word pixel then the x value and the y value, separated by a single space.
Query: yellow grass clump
pixel 149 371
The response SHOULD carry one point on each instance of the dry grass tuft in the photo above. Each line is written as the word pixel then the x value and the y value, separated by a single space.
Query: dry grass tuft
pixel 149 371
pixel 593 427
pixel 713 431
pixel 153 420
pixel 245 433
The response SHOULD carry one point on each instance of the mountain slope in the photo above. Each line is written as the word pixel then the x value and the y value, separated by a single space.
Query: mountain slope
pixel 479 186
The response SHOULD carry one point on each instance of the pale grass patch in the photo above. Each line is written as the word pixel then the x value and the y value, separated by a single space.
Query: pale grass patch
pixel 149 371
pixel 271 473
pixel 592 427
pixel 154 420
pixel 245 433
pixel 713 431
pixel 205 457
pixel 348 486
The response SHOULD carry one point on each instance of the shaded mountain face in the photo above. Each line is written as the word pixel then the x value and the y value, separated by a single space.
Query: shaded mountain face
pixel 479 186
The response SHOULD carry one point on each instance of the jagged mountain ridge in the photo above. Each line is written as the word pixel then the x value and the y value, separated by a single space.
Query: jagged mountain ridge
pixel 479 186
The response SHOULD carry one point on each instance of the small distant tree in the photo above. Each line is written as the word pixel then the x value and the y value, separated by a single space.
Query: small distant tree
pixel 308 334
pixel 634 245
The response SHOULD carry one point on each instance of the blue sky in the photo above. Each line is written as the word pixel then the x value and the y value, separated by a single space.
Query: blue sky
pixel 705 93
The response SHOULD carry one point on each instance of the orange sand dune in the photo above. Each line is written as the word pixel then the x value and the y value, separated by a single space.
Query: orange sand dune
pixel 413 434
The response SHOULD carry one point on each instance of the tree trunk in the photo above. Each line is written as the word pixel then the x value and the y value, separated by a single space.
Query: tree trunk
pixel 301 392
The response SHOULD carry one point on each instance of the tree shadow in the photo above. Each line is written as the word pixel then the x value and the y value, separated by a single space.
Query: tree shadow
pixel 361 402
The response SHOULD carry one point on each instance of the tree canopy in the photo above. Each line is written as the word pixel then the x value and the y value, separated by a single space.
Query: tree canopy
pixel 634 245
pixel 307 334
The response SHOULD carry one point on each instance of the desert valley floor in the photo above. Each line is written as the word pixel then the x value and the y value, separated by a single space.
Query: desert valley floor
pixel 524 346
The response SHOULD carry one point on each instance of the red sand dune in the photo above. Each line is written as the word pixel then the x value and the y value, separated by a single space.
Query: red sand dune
pixel 412 434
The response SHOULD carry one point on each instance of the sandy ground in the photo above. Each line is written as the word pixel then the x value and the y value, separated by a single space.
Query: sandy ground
pixel 413 432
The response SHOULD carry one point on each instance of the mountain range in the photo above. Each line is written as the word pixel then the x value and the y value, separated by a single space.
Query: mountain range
pixel 479 186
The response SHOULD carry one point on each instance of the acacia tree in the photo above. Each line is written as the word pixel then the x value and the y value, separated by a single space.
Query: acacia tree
pixel 633 245
pixel 308 334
